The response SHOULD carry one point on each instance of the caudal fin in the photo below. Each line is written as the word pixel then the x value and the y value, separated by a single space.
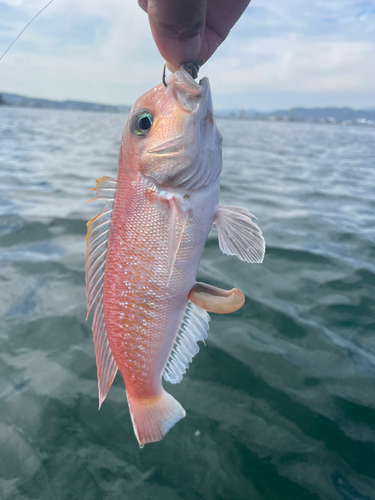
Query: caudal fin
pixel 152 418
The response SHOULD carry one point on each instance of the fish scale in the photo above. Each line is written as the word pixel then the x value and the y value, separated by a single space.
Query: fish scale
pixel 144 248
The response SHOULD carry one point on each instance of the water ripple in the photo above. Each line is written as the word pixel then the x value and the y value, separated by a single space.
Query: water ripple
pixel 280 403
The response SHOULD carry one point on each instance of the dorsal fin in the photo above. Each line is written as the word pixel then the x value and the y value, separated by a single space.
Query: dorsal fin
pixel 96 250
pixel 194 327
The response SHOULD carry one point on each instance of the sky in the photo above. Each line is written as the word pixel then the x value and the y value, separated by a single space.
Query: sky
pixel 281 53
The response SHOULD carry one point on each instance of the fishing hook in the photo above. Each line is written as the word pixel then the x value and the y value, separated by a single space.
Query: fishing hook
pixel 163 77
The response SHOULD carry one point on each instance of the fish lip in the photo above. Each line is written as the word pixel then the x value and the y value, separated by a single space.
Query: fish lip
pixel 189 93
pixel 183 79
pixel 204 83
pixel 171 146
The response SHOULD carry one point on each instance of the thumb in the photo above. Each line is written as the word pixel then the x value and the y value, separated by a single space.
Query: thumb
pixel 177 27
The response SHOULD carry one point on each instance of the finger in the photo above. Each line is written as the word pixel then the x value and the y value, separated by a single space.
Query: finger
pixel 221 16
pixel 143 4
pixel 173 67
pixel 177 27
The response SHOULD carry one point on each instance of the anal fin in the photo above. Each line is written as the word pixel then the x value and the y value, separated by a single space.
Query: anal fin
pixel 194 327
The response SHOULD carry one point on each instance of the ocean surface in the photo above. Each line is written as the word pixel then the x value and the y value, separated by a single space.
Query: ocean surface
pixel 280 402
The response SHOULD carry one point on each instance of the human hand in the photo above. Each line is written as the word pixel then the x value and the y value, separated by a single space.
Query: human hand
pixel 191 30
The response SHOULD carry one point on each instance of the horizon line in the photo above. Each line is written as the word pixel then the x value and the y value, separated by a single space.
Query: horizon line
pixel 219 109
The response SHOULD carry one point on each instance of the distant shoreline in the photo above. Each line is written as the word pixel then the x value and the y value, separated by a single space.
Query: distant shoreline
pixel 331 115
pixel 52 108
pixel 358 122
pixel 286 119
pixel 33 102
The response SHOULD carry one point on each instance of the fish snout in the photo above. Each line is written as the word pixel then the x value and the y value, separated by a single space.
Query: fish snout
pixel 188 93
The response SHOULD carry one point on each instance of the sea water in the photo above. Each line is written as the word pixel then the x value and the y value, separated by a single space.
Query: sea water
pixel 280 402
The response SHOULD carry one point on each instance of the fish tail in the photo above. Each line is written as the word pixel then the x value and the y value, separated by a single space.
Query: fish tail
pixel 153 417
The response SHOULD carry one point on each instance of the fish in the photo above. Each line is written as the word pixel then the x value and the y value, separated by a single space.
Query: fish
pixel 144 247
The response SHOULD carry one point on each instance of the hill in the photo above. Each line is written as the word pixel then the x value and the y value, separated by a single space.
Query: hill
pixel 329 115
pixel 32 102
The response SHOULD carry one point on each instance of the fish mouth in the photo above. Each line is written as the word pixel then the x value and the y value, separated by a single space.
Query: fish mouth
pixel 169 147
pixel 194 99
pixel 188 93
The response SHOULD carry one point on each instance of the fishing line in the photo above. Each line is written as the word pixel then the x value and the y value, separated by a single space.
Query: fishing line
pixel 27 25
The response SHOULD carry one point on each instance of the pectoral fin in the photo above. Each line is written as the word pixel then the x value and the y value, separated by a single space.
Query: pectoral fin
pixel 239 235
pixel 177 225
pixel 216 300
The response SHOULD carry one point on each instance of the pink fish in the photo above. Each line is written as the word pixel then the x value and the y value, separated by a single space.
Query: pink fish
pixel 143 250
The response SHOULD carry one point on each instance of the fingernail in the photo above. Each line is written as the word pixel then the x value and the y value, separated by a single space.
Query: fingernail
pixel 172 67
pixel 190 48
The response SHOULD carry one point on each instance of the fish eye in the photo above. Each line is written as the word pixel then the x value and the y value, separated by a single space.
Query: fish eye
pixel 141 122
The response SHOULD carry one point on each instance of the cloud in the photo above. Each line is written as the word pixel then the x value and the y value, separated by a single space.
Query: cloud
pixel 317 52
pixel 104 52
pixel 81 47
pixel 303 65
